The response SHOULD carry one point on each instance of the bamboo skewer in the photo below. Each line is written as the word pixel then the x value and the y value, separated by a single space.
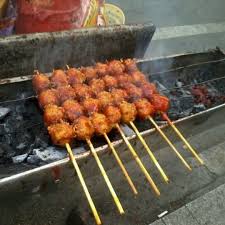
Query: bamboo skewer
pixel 121 164
pixel 169 143
pixel 149 152
pixel 115 198
pixel 182 138
pixel 83 184
pixel 150 180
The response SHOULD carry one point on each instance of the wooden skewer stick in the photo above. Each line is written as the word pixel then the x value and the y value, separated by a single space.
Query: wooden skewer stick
pixel 169 143
pixel 164 115
pixel 149 152
pixel 113 193
pixel 150 180
pixel 67 67
pixel 121 164
pixel 83 184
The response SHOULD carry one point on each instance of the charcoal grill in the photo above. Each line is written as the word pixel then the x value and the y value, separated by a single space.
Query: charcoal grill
pixel 175 76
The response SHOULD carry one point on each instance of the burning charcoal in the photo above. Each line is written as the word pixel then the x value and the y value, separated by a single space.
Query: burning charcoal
pixel 198 108
pixel 186 102
pixel 33 159
pixel 19 158
pixel 160 86
pixel 7 151
pixel 4 112
pixel 2 129
pixel 179 84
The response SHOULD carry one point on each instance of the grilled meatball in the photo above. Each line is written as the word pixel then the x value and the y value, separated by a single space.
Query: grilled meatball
pixel 100 123
pixel 119 95
pixel 75 76
pixel 160 103
pixel 148 89
pixel 64 93
pixel 97 85
pixel 115 67
pixel 72 110
pixel 58 78
pixel 128 111
pixel 91 105
pixel 113 114
pixel 138 78
pixel 40 82
pixel 61 133
pixel 130 65
pixel 144 108
pixel 110 82
pixel 48 97
pixel 101 69
pixel 123 79
pixel 89 72
pixel 83 91
pixel 133 92
pixel 83 128
pixel 105 98
pixel 53 114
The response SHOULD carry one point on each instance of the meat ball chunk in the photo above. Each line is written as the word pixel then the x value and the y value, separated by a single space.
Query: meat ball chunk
pixel 100 123
pixel 110 82
pixel 138 78
pixel 144 108
pixel 83 128
pixel 61 133
pixel 115 67
pixel 105 98
pixel 58 78
pixel 89 72
pixel 123 79
pixel 97 85
pixel 91 105
pixel 133 92
pixel 72 110
pixel 53 114
pixel 130 65
pixel 102 69
pixel 83 92
pixel 148 89
pixel 119 95
pixel 40 82
pixel 113 114
pixel 64 93
pixel 128 111
pixel 75 76
pixel 160 103
pixel 48 97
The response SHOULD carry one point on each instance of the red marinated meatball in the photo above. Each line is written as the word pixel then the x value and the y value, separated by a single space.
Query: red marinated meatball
pixel 72 110
pixel 110 82
pixel 160 103
pixel 64 93
pixel 128 111
pixel 53 114
pixel 75 76
pixel 105 98
pixel 91 105
pixel 138 78
pixel 144 108
pixel 102 69
pixel 119 95
pixel 83 91
pixel 113 114
pixel 100 123
pixel 123 79
pixel 40 82
pixel 130 65
pixel 58 78
pixel 89 72
pixel 97 85
pixel 83 128
pixel 48 97
pixel 133 92
pixel 115 67
pixel 61 133
pixel 148 89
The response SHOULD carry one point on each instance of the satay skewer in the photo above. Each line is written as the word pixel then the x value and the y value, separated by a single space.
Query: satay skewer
pixel 169 143
pixel 113 193
pixel 121 164
pixel 166 179
pixel 164 115
pixel 83 184
pixel 133 152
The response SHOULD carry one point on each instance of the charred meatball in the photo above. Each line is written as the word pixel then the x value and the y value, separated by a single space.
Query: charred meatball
pixel 119 95
pixel 40 82
pixel 115 67
pixel 72 110
pixel 97 85
pixel 89 72
pixel 148 89
pixel 110 82
pixel 83 128
pixel 130 65
pixel 61 133
pixel 101 69
pixel 123 79
pixel 138 78
pixel 53 114
pixel 128 111
pixel 133 92
pixel 144 108
pixel 75 76
pixel 58 78
pixel 100 123
pixel 113 114
pixel 160 103
pixel 105 98
pixel 64 93
pixel 83 92
pixel 91 106
pixel 48 97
